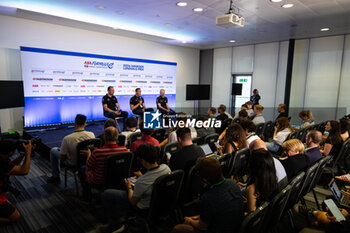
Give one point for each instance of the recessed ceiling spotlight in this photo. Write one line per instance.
(167, 24)
(115, 28)
(181, 3)
(324, 29)
(100, 7)
(184, 42)
(198, 9)
(276, 0)
(232, 41)
(288, 5)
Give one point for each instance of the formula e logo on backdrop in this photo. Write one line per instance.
(98, 64)
(152, 120)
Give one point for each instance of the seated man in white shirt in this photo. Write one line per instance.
(249, 110)
(68, 150)
(258, 118)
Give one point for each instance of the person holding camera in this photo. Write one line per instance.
(8, 167)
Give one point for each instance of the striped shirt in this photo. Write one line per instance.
(95, 165)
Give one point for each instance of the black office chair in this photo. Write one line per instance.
(240, 162)
(275, 210)
(134, 137)
(211, 139)
(253, 221)
(310, 175)
(81, 160)
(197, 141)
(269, 130)
(165, 198)
(192, 186)
(321, 165)
(117, 169)
(224, 125)
(283, 183)
(225, 162)
(260, 129)
(322, 126)
(337, 167)
(292, 135)
(171, 148)
(159, 134)
(296, 186)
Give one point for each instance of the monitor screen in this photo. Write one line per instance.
(197, 92)
(11, 94)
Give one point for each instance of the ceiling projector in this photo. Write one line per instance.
(230, 21)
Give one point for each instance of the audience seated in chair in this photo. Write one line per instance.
(282, 129)
(312, 152)
(68, 151)
(146, 138)
(221, 207)
(93, 172)
(172, 135)
(211, 112)
(108, 123)
(262, 181)
(260, 144)
(307, 118)
(249, 129)
(258, 117)
(131, 124)
(117, 203)
(294, 159)
(188, 153)
(243, 107)
(243, 115)
(250, 110)
(334, 140)
(344, 129)
(234, 139)
(222, 114)
(282, 108)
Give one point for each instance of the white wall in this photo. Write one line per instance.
(15, 32)
(267, 63)
(321, 78)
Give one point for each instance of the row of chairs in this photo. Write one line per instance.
(301, 133)
(268, 215)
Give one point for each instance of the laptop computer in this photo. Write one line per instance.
(206, 149)
(337, 193)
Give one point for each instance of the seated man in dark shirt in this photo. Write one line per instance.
(222, 113)
(189, 152)
(221, 207)
(295, 160)
(282, 108)
(162, 104)
(312, 152)
(111, 107)
(137, 104)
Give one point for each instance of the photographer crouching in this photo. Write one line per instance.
(8, 213)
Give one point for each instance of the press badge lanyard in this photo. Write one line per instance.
(218, 183)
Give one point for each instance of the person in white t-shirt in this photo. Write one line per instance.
(68, 151)
(249, 129)
(131, 124)
(250, 110)
(282, 130)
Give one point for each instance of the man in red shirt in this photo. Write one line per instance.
(146, 138)
(93, 172)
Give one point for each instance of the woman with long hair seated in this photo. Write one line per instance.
(295, 160)
(262, 181)
(307, 118)
(234, 139)
(334, 140)
(282, 129)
